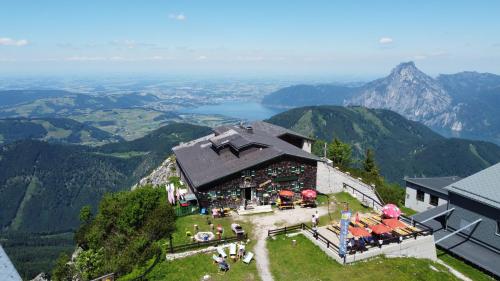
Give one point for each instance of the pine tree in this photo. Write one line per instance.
(369, 163)
(340, 153)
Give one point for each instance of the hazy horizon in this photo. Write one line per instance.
(343, 40)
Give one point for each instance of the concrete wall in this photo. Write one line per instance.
(421, 247)
(331, 180)
(420, 206)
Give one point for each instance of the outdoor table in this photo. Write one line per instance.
(368, 222)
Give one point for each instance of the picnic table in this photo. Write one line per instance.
(369, 222)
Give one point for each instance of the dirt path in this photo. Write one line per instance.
(262, 223)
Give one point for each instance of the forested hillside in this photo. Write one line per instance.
(58, 130)
(44, 185)
(402, 147)
(304, 95)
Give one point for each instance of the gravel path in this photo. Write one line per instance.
(262, 223)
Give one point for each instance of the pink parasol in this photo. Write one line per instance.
(391, 211)
(309, 193)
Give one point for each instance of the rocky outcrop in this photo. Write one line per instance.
(160, 175)
(41, 277)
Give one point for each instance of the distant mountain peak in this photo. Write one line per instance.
(406, 90)
(407, 71)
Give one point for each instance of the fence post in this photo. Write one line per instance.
(171, 245)
(285, 230)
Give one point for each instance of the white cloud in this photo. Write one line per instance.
(11, 42)
(179, 17)
(202, 57)
(385, 40)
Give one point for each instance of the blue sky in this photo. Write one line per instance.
(324, 38)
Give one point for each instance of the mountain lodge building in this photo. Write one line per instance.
(246, 163)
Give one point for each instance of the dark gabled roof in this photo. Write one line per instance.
(203, 160)
(435, 183)
(483, 186)
(7, 270)
(277, 131)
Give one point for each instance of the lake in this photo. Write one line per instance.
(247, 110)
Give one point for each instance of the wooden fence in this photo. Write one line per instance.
(294, 228)
(186, 247)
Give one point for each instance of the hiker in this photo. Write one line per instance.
(241, 251)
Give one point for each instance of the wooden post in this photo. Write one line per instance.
(171, 245)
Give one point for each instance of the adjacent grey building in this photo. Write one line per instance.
(468, 225)
(7, 270)
(423, 194)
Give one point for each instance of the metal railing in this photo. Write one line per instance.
(424, 230)
(373, 202)
(329, 244)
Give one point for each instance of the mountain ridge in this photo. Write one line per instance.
(402, 147)
(463, 105)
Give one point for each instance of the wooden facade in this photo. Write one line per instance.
(259, 184)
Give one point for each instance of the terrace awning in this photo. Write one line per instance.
(394, 223)
(359, 232)
(380, 228)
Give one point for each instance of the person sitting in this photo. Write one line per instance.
(362, 245)
(215, 213)
(224, 266)
(219, 259)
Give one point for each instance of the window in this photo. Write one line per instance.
(498, 228)
(434, 200)
(420, 195)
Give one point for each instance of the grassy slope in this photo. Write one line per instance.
(467, 270)
(195, 267)
(354, 206)
(307, 262)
